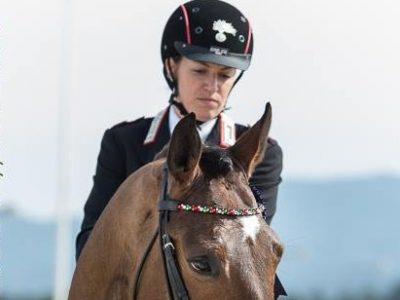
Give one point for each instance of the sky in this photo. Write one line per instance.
(330, 69)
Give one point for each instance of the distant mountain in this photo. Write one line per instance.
(338, 235)
(27, 255)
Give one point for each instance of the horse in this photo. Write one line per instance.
(219, 246)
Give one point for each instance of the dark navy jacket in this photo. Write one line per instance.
(123, 152)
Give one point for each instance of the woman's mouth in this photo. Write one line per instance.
(208, 101)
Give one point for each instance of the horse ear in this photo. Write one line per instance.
(184, 150)
(249, 149)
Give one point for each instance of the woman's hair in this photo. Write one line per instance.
(167, 71)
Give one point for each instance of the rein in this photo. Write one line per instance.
(176, 286)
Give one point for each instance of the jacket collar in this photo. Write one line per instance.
(203, 129)
(158, 136)
(221, 132)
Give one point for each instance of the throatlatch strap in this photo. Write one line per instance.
(178, 105)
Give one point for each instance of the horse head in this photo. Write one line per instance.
(221, 257)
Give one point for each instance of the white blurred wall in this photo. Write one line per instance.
(329, 68)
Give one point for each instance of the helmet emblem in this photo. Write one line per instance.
(223, 27)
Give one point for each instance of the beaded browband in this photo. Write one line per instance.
(218, 210)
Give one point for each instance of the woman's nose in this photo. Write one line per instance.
(213, 82)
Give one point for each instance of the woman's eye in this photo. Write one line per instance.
(199, 71)
(226, 76)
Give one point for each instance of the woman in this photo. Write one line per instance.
(206, 47)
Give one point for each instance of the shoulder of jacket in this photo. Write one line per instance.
(127, 123)
(124, 129)
(137, 126)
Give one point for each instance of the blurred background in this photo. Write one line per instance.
(331, 69)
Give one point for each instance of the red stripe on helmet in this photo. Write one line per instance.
(187, 26)
(248, 40)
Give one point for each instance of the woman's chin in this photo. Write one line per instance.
(206, 116)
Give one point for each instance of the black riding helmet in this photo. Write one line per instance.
(210, 31)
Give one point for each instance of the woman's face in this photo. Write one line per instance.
(203, 88)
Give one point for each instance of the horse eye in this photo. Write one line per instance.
(201, 265)
(205, 265)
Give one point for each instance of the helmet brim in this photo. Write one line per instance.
(233, 60)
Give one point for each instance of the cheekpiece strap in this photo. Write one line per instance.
(167, 204)
(176, 286)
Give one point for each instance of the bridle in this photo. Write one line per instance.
(176, 286)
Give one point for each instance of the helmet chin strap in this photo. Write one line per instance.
(178, 105)
(173, 85)
(237, 79)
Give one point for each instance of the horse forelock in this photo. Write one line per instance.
(220, 181)
(215, 162)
